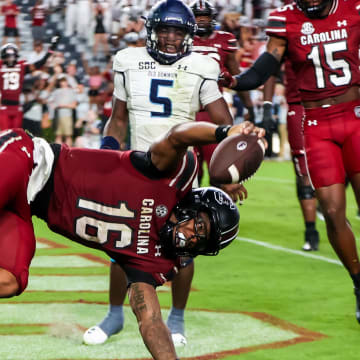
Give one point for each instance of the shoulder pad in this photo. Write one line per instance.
(126, 58)
(202, 65)
(276, 25)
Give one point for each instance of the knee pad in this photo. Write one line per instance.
(304, 192)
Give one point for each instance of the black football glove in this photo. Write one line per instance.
(54, 42)
(268, 122)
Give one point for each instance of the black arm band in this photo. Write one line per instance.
(221, 132)
(265, 66)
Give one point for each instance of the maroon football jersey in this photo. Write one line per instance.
(291, 84)
(101, 200)
(218, 45)
(11, 80)
(323, 52)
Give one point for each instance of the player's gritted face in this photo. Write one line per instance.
(203, 21)
(193, 234)
(170, 39)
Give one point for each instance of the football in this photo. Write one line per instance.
(236, 159)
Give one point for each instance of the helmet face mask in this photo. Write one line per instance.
(9, 54)
(220, 211)
(313, 9)
(166, 14)
(205, 15)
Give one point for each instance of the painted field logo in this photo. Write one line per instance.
(57, 328)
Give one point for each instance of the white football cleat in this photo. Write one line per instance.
(178, 339)
(94, 336)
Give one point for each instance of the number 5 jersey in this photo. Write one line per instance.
(161, 96)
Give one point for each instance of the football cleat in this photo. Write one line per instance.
(307, 247)
(357, 310)
(94, 336)
(311, 240)
(179, 339)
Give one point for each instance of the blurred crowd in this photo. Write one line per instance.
(79, 89)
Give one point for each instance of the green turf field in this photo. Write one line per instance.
(261, 298)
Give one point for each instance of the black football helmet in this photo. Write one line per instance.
(169, 13)
(312, 11)
(224, 223)
(9, 54)
(204, 8)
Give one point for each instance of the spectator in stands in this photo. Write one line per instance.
(100, 34)
(10, 11)
(71, 74)
(70, 17)
(38, 14)
(63, 99)
(37, 53)
(83, 20)
(91, 134)
(35, 105)
(131, 39)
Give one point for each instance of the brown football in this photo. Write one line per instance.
(236, 159)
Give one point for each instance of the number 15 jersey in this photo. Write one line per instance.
(161, 96)
(324, 51)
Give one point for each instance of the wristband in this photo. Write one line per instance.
(109, 142)
(221, 132)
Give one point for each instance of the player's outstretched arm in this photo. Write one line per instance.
(145, 305)
(167, 152)
(266, 65)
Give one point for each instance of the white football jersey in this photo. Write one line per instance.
(161, 96)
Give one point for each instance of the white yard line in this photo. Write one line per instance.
(291, 251)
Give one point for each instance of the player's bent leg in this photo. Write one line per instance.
(180, 289)
(9, 286)
(306, 196)
(113, 322)
(355, 183)
(342, 239)
(17, 248)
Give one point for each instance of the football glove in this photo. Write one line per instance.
(268, 122)
(226, 80)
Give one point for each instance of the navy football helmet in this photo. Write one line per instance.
(204, 8)
(169, 13)
(9, 54)
(224, 223)
(312, 11)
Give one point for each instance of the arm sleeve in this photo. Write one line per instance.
(265, 66)
(209, 92)
(119, 86)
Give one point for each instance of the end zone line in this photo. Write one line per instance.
(291, 251)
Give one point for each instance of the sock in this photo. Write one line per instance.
(310, 225)
(175, 321)
(356, 280)
(113, 321)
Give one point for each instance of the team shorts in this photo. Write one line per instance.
(332, 143)
(296, 138)
(17, 241)
(11, 116)
(11, 32)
